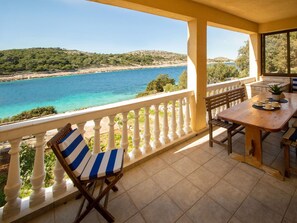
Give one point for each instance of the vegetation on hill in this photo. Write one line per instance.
(57, 59)
(33, 113)
(219, 60)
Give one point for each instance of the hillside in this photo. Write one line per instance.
(49, 60)
(219, 60)
(162, 55)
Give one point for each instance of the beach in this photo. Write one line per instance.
(27, 76)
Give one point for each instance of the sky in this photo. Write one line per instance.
(93, 27)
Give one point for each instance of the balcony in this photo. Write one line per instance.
(166, 123)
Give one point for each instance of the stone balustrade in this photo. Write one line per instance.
(139, 119)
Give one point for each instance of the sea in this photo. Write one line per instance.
(68, 93)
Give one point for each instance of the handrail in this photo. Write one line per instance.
(232, 83)
(56, 121)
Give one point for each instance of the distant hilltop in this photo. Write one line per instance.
(36, 60)
(177, 56)
(53, 60)
(219, 60)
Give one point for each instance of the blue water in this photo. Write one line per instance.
(73, 92)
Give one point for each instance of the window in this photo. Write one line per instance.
(279, 53)
(293, 52)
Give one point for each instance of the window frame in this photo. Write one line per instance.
(263, 55)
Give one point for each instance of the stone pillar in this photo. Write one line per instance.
(255, 55)
(197, 72)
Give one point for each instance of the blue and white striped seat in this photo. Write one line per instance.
(294, 84)
(84, 164)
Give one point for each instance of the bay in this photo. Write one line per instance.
(68, 93)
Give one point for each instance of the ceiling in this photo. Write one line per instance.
(259, 11)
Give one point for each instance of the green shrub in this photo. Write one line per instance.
(3, 179)
(33, 113)
(163, 83)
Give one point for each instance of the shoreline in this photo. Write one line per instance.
(29, 76)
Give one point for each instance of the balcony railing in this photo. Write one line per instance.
(143, 125)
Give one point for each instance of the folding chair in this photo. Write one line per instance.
(86, 169)
(289, 140)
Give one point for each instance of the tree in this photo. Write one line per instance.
(276, 53)
(182, 80)
(170, 88)
(162, 83)
(158, 84)
(219, 72)
(242, 61)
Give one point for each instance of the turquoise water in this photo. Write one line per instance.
(78, 91)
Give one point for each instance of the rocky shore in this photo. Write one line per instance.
(6, 78)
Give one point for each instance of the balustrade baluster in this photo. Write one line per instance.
(165, 128)
(81, 128)
(187, 117)
(97, 128)
(136, 138)
(124, 140)
(147, 135)
(59, 186)
(38, 176)
(110, 144)
(157, 142)
(13, 184)
(173, 134)
(180, 125)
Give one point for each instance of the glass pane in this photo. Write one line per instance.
(276, 53)
(293, 52)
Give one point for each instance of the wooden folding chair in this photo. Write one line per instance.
(289, 141)
(86, 169)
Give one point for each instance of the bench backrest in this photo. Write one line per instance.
(226, 98)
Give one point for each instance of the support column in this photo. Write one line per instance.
(197, 75)
(255, 55)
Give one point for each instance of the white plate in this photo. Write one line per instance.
(268, 108)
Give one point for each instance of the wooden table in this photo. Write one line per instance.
(255, 121)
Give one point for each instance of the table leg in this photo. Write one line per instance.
(253, 146)
(253, 152)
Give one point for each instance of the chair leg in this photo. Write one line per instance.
(287, 160)
(229, 145)
(210, 136)
(114, 188)
(96, 204)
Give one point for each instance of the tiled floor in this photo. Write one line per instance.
(196, 183)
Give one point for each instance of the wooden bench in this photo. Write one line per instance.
(227, 99)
